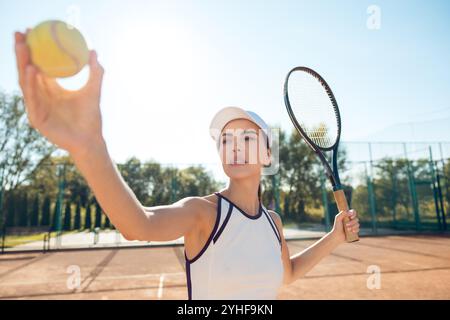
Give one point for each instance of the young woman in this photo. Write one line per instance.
(234, 246)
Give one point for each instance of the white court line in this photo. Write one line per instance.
(143, 276)
(124, 277)
(415, 264)
(161, 286)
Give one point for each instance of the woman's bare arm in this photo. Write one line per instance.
(118, 201)
(300, 264)
(72, 121)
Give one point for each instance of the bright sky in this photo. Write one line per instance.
(170, 65)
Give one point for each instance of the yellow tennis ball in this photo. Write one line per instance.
(57, 49)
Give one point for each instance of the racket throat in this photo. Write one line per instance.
(332, 174)
(337, 180)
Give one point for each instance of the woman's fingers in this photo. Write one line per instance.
(22, 56)
(353, 225)
(96, 73)
(29, 94)
(28, 80)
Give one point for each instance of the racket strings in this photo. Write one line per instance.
(320, 136)
(313, 105)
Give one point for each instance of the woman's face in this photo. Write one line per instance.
(243, 150)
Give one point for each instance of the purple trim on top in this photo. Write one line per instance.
(222, 227)
(242, 211)
(216, 225)
(189, 262)
(273, 225)
(188, 276)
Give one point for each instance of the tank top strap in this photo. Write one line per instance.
(272, 223)
(224, 210)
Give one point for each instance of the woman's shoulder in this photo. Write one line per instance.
(202, 204)
(276, 217)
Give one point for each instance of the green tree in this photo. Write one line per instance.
(46, 212)
(55, 216)
(98, 215)
(77, 222)
(23, 210)
(88, 218)
(196, 181)
(76, 186)
(132, 173)
(34, 217)
(107, 223)
(11, 202)
(22, 149)
(299, 174)
(67, 217)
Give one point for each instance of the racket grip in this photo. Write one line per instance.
(341, 202)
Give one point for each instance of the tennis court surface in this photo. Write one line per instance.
(412, 267)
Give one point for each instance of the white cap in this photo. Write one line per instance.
(227, 114)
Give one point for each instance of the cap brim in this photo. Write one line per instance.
(228, 114)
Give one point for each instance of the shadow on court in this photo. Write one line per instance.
(412, 267)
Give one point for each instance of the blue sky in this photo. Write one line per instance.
(170, 65)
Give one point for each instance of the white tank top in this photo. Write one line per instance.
(241, 259)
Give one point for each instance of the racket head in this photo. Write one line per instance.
(313, 109)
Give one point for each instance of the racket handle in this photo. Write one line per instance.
(342, 205)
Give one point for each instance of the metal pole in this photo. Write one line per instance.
(277, 193)
(394, 196)
(172, 188)
(371, 201)
(412, 189)
(441, 199)
(372, 198)
(445, 183)
(433, 185)
(61, 185)
(2, 220)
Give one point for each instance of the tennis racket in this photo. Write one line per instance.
(313, 109)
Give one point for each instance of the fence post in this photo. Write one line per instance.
(412, 189)
(173, 187)
(276, 192)
(371, 201)
(61, 184)
(394, 196)
(2, 221)
(435, 191)
(325, 202)
(441, 200)
(444, 204)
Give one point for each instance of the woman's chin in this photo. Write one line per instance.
(240, 170)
